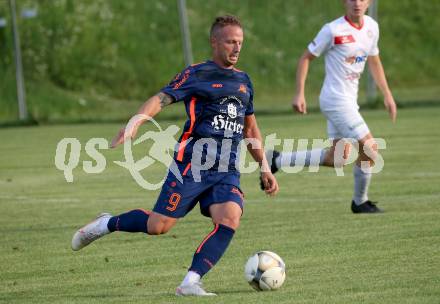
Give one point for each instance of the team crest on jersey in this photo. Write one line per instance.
(370, 34)
(344, 39)
(232, 110)
(231, 99)
(242, 89)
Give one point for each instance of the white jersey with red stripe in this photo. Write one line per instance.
(346, 48)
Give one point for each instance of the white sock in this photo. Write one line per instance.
(103, 225)
(361, 183)
(191, 278)
(307, 158)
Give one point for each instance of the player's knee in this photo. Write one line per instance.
(154, 230)
(371, 157)
(338, 155)
(158, 225)
(158, 229)
(231, 222)
(369, 152)
(335, 159)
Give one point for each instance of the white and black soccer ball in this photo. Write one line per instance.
(265, 270)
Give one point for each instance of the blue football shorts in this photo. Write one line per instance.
(176, 199)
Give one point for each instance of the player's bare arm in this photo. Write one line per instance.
(165, 99)
(377, 71)
(149, 109)
(252, 132)
(299, 101)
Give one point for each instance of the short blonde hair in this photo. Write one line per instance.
(222, 21)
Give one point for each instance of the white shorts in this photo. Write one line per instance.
(345, 123)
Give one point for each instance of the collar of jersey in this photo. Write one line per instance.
(354, 25)
(221, 68)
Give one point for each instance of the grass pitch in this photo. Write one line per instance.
(332, 256)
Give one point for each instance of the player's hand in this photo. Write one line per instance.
(270, 183)
(391, 107)
(299, 104)
(128, 132)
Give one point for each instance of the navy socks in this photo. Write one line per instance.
(132, 221)
(207, 254)
(211, 249)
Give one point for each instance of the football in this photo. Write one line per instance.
(265, 270)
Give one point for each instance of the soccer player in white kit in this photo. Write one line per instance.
(347, 44)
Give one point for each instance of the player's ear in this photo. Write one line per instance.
(213, 41)
(213, 37)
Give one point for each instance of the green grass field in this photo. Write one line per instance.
(332, 256)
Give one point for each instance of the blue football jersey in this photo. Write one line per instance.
(216, 102)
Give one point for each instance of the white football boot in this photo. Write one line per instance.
(91, 232)
(194, 289)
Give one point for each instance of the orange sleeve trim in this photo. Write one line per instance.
(198, 63)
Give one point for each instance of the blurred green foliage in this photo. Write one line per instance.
(80, 55)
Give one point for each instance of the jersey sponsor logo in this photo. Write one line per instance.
(344, 39)
(356, 59)
(242, 89)
(223, 122)
(217, 85)
(231, 109)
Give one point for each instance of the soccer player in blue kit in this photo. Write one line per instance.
(218, 100)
